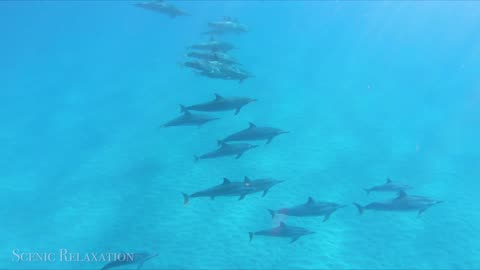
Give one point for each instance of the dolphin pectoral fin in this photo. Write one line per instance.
(327, 216)
(196, 158)
(269, 140)
(420, 212)
(250, 235)
(294, 239)
(264, 193)
(238, 110)
(359, 207)
(238, 156)
(272, 212)
(212, 198)
(140, 265)
(185, 198)
(242, 196)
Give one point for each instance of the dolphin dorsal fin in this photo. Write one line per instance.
(401, 194)
(310, 200)
(188, 113)
(388, 181)
(218, 97)
(282, 225)
(247, 181)
(226, 181)
(251, 125)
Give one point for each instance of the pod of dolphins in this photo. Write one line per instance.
(210, 59)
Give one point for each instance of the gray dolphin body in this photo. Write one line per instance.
(261, 185)
(388, 186)
(233, 149)
(190, 119)
(226, 26)
(283, 230)
(214, 56)
(162, 7)
(254, 133)
(309, 209)
(138, 258)
(220, 104)
(214, 46)
(402, 203)
(226, 189)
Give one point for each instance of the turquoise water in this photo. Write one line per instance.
(369, 90)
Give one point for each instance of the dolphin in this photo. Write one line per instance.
(220, 104)
(309, 209)
(254, 133)
(138, 258)
(213, 45)
(283, 230)
(388, 186)
(227, 25)
(402, 203)
(233, 149)
(259, 185)
(162, 7)
(190, 119)
(214, 56)
(225, 189)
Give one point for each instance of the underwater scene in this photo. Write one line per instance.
(240, 134)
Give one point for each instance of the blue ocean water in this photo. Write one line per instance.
(368, 90)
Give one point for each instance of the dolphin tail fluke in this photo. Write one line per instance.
(250, 234)
(359, 207)
(186, 198)
(272, 212)
(367, 191)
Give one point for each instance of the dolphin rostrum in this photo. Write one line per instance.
(388, 186)
(309, 209)
(189, 119)
(402, 203)
(226, 189)
(138, 258)
(254, 133)
(220, 104)
(232, 149)
(283, 230)
(162, 7)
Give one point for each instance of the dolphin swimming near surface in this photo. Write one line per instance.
(388, 186)
(402, 203)
(162, 7)
(220, 104)
(232, 149)
(254, 133)
(309, 209)
(226, 189)
(283, 230)
(190, 119)
(138, 258)
(261, 185)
